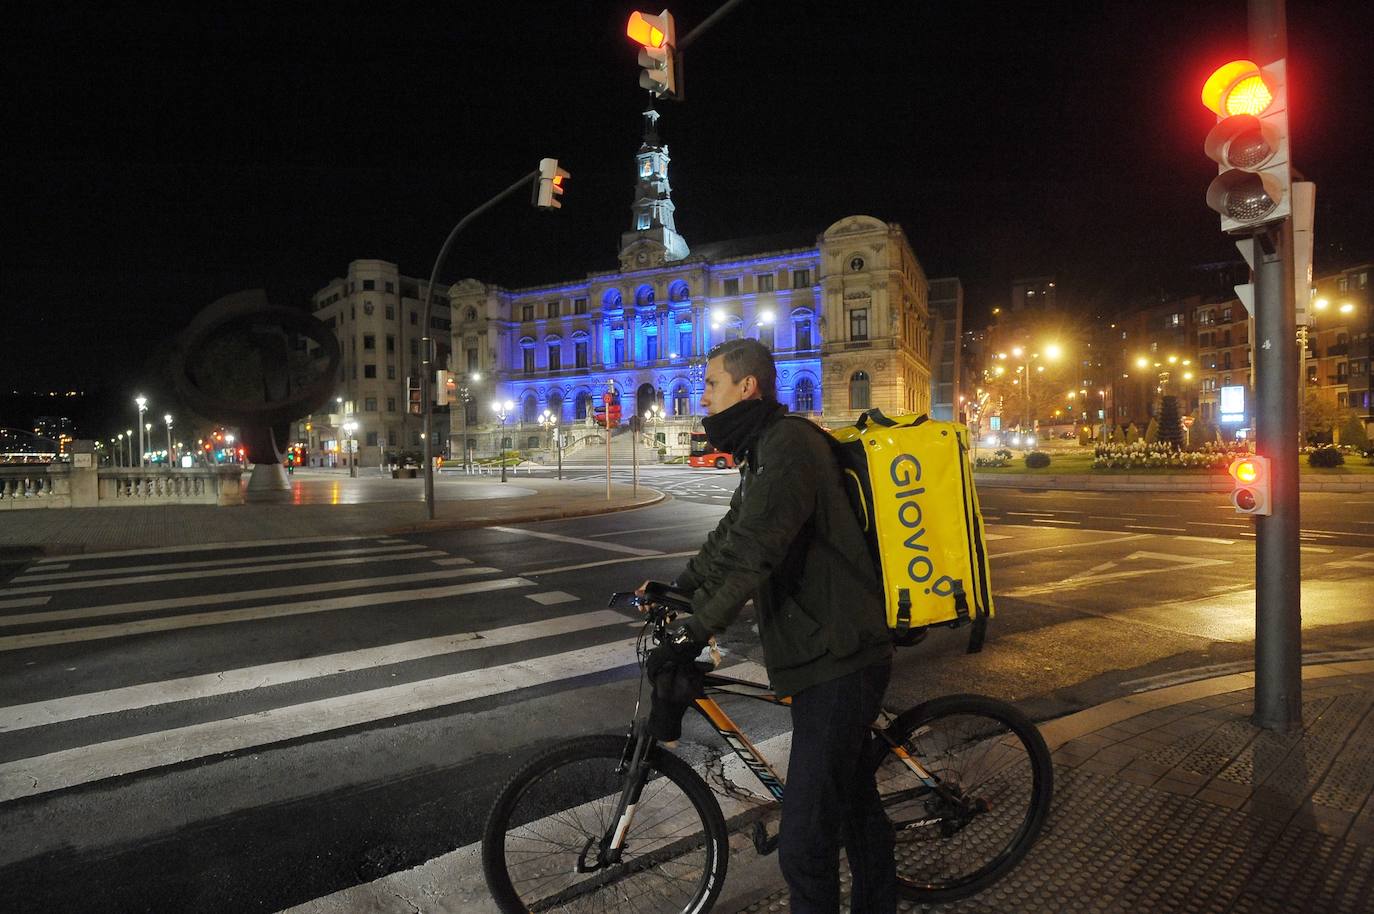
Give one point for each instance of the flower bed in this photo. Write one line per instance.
(1140, 455)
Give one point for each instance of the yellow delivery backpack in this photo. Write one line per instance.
(910, 482)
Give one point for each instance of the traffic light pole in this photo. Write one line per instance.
(1278, 592)
(427, 342)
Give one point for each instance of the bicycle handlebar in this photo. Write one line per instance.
(659, 603)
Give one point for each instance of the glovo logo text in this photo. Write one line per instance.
(905, 471)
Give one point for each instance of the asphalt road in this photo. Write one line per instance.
(247, 728)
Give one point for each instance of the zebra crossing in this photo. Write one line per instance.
(121, 670)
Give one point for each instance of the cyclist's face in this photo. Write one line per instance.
(723, 391)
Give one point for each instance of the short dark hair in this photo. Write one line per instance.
(749, 357)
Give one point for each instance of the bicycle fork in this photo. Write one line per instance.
(634, 765)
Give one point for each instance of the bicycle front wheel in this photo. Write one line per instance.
(542, 839)
(995, 783)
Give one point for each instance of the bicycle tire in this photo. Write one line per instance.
(686, 824)
(947, 852)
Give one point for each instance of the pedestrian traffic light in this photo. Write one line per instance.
(657, 39)
(1249, 144)
(549, 188)
(1251, 492)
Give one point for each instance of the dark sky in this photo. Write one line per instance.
(159, 155)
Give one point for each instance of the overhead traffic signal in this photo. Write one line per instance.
(1251, 492)
(1249, 144)
(548, 190)
(657, 39)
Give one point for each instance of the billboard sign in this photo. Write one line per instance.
(1233, 404)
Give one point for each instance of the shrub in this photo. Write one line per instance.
(1352, 432)
(1036, 460)
(1132, 433)
(1170, 429)
(1085, 435)
(993, 461)
(1002, 454)
(1152, 431)
(1325, 457)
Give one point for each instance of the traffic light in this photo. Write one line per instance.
(1249, 144)
(1251, 492)
(549, 188)
(657, 39)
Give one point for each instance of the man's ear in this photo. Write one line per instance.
(749, 386)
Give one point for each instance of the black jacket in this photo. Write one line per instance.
(790, 540)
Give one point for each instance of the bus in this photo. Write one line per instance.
(704, 455)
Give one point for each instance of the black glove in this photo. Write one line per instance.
(676, 680)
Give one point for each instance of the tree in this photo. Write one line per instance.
(1132, 433)
(1319, 417)
(1152, 431)
(1352, 432)
(1170, 428)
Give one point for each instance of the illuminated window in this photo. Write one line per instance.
(804, 334)
(646, 168)
(643, 221)
(805, 398)
(651, 347)
(580, 353)
(858, 324)
(555, 357)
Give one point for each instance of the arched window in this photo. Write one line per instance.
(766, 333)
(682, 405)
(803, 334)
(805, 396)
(582, 405)
(505, 443)
(858, 390)
(529, 408)
(556, 405)
(472, 314)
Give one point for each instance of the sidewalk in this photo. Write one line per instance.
(1172, 801)
(320, 504)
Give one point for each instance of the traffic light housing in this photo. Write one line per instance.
(548, 190)
(1251, 492)
(1249, 144)
(657, 39)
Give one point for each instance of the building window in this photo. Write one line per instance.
(391, 407)
(414, 319)
(505, 443)
(1226, 315)
(765, 282)
(858, 390)
(553, 309)
(1342, 400)
(582, 405)
(730, 287)
(681, 403)
(390, 311)
(801, 279)
(1226, 359)
(390, 287)
(805, 398)
(527, 313)
(414, 349)
(1175, 320)
(370, 405)
(1341, 369)
(529, 360)
(618, 351)
(1311, 374)
(858, 324)
(555, 357)
(579, 306)
(1343, 284)
(369, 285)
(371, 439)
(369, 341)
(391, 372)
(471, 356)
(643, 222)
(766, 335)
(804, 334)
(651, 348)
(646, 168)
(684, 343)
(390, 343)
(580, 353)
(369, 371)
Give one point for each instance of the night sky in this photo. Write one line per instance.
(157, 156)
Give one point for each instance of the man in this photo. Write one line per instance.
(791, 542)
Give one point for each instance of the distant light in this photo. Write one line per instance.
(1053, 351)
(1347, 308)
(766, 317)
(1320, 304)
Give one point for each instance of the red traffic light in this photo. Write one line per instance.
(644, 31)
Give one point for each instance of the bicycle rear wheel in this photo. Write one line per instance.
(550, 818)
(997, 781)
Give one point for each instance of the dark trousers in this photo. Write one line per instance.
(830, 799)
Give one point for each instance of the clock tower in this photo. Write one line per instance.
(652, 241)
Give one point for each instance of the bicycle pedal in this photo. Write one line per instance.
(764, 844)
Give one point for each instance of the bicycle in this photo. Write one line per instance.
(619, 823)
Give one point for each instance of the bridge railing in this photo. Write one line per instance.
(61, 485)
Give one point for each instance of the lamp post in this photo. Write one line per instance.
(233, 454)
(502, 410)
(465, 396)
(118, 442)
(129, 439)
(142, 402)
(146, 442)
(550, 421)
(349, 428)
(168, 419)
(1051, 353)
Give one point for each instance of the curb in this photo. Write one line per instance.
(431, 526)
(1148, 483)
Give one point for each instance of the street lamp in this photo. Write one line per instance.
(465, 395)
(1052, 353)
(168, 419)
(142, 402)
(130, 439)
(548, 420)
(349, 428)
(118, 442)
(149, 442)
(502, 410)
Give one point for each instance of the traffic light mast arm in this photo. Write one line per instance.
(426, 342)
(710, 20)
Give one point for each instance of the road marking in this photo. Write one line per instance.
(216, 563)
(1339, 533)
(209, 547)
(453, 561)
(561, 568)
(36, 567)
(1030, 513)
(211, 599)
(1101, 573)
(558, 538)
(989, 537)
(1315, 549)
(1051, 520)
(23, 601)
(1208, 539)
(549, 598)
(250, 614)
(111, 701)
(82, 765)
(1351, 563)
(1161, 529)
(639, 530)
(1093, 542)
(220, 572)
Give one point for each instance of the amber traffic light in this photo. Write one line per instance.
(1249, 144)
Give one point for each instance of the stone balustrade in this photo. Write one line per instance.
(61, 485)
